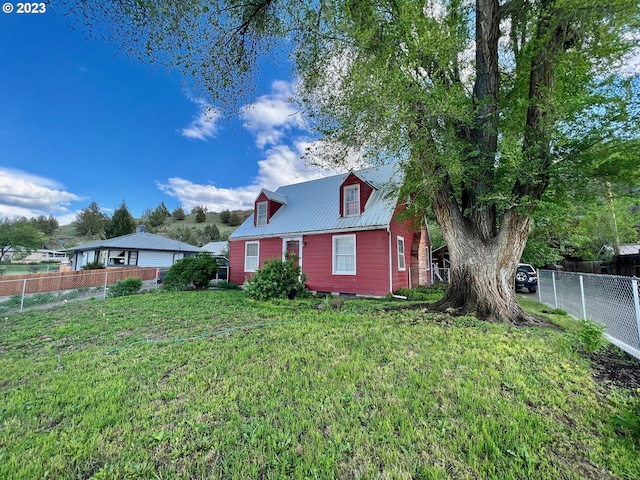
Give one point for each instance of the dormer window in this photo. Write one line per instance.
(351, 200)
(266, 206)
(262, 213)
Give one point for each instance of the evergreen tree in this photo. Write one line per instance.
(121, 223)
(225, 215)
(91, 221)
(234, 219)
(178, 214)
(201, 217)
(211, 233)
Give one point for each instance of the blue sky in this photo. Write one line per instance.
(80, 122)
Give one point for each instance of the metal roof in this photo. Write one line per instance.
(314, 206)
(137, 241)
(216, 248)
(274, 196)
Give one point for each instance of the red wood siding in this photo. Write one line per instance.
(372, 260)
(365, 191)
(404, 230)
(372, 265)
(269, 248)
(272, 208)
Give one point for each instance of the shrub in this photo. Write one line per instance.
(591, 335)
(629, 418)
(128, 286)
(276, 279)
(423, 294)
(197, 270)
(96, 265)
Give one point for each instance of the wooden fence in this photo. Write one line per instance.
(60, 281)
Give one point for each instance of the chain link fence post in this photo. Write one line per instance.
(104, 289)
(555, 292)
(24, 292)
(636, 301)
(584, 305)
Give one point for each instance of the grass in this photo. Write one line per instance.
(211, 385)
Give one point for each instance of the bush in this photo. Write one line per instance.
(197, 270)
(423, 294)
(97, 265)
(629, 418)
(128, 286)
(276, 279)
(591, 335)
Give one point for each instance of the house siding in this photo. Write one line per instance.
(372, 262)
(404, 230)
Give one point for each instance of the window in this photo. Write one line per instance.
(117, 258)
(401, 261)
(251, 251)
(344, 255)
(133, 258)
(262, 214)
(351, 200)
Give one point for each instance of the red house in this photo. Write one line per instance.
(344, 229)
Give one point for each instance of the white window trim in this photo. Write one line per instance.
(356, 188)
(284, 248)
(402, 262)
(257, 257)
(260, 217)
(333, 255)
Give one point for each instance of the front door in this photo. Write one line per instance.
(292, 245)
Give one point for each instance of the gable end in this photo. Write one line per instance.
(365, 190)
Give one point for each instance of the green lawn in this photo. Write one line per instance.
(210, 385)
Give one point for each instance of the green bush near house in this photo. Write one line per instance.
(128, 286)
(276, 279)
(97, 265)
(197, 270)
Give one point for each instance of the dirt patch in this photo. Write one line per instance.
(614, 368)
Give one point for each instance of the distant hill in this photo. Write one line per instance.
(171, 229)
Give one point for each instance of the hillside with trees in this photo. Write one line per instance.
(197, 227)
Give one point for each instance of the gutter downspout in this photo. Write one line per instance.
(429, 252)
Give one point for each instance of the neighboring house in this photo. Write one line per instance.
(36, 256)
(345, 231)
(220, 251)
(139, 249)
(627, 261)
(217, 249)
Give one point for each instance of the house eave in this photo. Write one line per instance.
(311, 232)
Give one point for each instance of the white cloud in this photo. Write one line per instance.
(204, 125)
(23, 194)
(272, 116)
(280, 130)
(215, 198)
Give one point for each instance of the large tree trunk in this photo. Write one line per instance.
(482, 270)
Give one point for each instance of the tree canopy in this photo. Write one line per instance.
(19, 236)
(491, 106)
(121, 222)
(91, 221)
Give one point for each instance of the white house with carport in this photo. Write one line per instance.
(139, 249)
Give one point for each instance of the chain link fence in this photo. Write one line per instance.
(47, 290)
(608, 299)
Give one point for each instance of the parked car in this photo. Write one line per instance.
(526, 277)
(160, 274)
